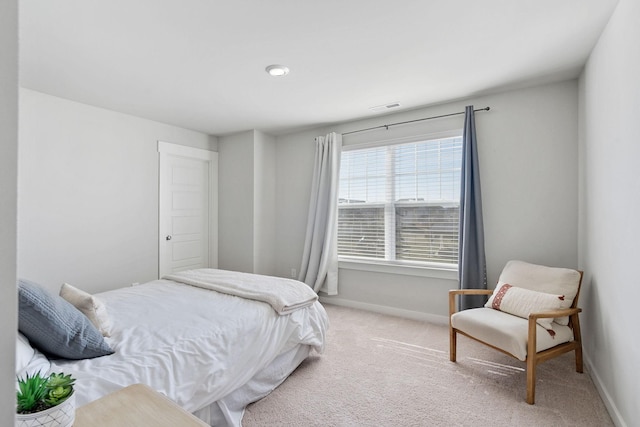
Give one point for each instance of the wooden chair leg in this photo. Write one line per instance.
(577, 337)
(532, 361)
(452, 344)
(531, 380)
(579, 367)
(452, 332)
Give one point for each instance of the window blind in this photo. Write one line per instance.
(361, 232)
(401, 202)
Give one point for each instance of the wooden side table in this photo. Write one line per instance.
(135, 406)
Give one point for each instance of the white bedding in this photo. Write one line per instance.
(195, 345)
(284, 295)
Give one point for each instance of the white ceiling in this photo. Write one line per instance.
(200, 64)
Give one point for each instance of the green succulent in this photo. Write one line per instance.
(59, 387)
(32, 391)
(37, 392)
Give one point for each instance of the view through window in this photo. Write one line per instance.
(400, 203)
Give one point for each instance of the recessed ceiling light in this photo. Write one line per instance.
(277, 70)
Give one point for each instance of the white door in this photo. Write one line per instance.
(188, 208)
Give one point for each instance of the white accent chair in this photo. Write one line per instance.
(519, 334)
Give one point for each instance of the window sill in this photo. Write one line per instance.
(408, 270)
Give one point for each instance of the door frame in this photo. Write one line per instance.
(166, 149)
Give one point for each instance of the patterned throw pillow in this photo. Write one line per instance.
(521, 302)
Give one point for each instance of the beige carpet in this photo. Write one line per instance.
(380, 370)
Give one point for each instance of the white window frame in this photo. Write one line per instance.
(424, 269)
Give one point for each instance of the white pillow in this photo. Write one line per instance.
(24, 353)
(90, 306)
(29, 360)
(521, 302)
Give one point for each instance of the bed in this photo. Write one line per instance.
(191, 337)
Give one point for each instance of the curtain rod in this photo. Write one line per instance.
(412, 121)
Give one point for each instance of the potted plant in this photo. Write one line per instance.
(45, 401)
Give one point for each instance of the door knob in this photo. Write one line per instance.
(168, 237)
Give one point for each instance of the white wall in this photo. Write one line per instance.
(529, 171)
(8, 205)
(264, 204)
(88, 193)
(235, 197)
(247, 202)
(609, 212)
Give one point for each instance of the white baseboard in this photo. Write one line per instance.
(392, 311)
(615, 415)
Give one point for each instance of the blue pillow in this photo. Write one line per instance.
(55, 326)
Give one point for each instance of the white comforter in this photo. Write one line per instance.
(284, 295)
(192, 344)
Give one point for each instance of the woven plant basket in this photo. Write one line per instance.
(62, 415)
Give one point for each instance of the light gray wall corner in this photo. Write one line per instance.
(8, 206)
(88, 206)
(247, 202)
(295, 157)
(236, 201)
(264, 204)
(212, 143)
(609, 208)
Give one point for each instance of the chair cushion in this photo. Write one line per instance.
(521, 302)
(506, 331)
(551, 280)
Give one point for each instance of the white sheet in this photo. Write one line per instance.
(284, 295)
(194, 345)
(230, 409)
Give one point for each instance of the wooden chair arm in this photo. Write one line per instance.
(531, 333)
(470, 292)
(555, 313)
(454, 292)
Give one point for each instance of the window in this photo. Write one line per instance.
(400, 203)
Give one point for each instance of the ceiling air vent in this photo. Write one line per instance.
(386, 107)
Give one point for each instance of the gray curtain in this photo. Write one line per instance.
(320, 258)
(472, 266)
